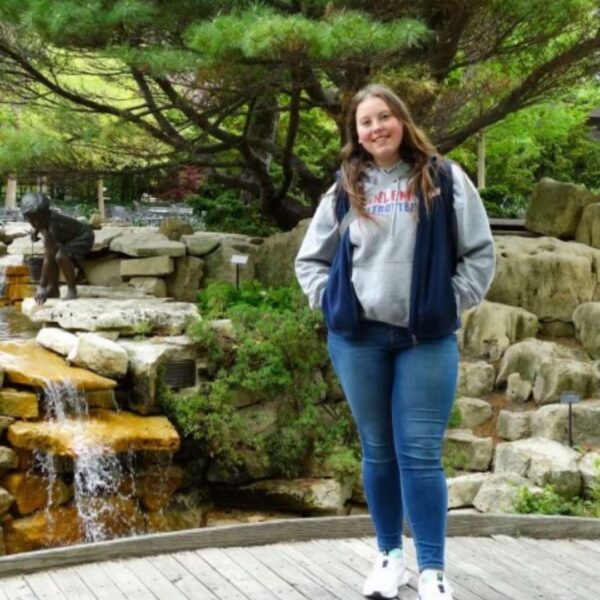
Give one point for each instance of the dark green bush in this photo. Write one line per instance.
(499, 202)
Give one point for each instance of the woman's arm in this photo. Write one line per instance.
(475, 245)
(317, 250)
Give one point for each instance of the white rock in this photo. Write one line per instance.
(462, 489)
(490, 328)
(475, 379)
(473, 411)
(513, 425)
(541, 461)
(150, 285)
(100, 355)
(147, 267)
(552, 422)
(526, 357)
(517, 389)
(559, 375)
(589, 466)
(56, 339)
(499, 492)
(146, 245)
(129, 317)
(477, 451)
(586, 318)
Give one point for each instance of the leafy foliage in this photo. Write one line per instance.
(278, 349)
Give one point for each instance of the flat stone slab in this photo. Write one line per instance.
(121, 292)
(147, 244)
(27, 363)
(128, 317)
(102, 431)
(103, 237)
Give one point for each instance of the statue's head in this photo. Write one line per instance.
(34, 203)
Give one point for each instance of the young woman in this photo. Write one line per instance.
(421, 253)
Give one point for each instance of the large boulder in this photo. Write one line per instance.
(473, 411)
(27, 363)
(147, 267)
(513, 425)
(552, 422)
(185, 511)
(518, 390)
(174, 229)
(475, 379)
(19, 403)
(468, 451)
(543, 462)
(146, 244)
(555, 208)
(155, 286)
(201, 243)
(588, 230)
(499, 492)
(128, 317)
(56, 339)
(275, 259)
(105, 271)
(586, 318)
(184, 282)
(526, 357)
(559, 375)
(545, 276)
(218, 265)
(490, 328)
(33, 492)
(145, 358)
(98, 354)
(589, 466)
(462, 489)
(102, 431)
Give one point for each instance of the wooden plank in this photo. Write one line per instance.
(16, 588)
(269, 532)
(44, 587)
(71, 584)
(212, 579)
(96, 579)
(560, 577)
(153, 579)
(318, 570)
(576, 556)
(131, 587)
(487, 570)
(237, 575)
(181, 578)
(270, 578)
(292, 572)
(588, 544)
(557, 554)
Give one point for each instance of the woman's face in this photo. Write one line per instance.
(379, 131)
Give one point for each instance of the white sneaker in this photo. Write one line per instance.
(387, 575)
(433, 585)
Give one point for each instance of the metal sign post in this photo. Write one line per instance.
(570, 398)
(238, 260)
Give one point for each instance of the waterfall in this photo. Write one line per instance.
(98, 472)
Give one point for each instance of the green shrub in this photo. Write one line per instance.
(279, 347)
(224, 211)
(500, 203)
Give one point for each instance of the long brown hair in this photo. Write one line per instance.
(415, 149)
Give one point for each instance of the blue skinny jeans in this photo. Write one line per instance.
(401, 396)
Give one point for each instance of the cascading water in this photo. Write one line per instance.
(98, 473)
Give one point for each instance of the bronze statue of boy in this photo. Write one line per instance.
(66, 242)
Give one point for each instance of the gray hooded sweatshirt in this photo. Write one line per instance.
(383, 247)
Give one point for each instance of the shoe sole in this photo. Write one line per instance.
(380, 596)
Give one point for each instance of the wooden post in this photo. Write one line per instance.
(10, 201)
(100, 194)
(481, 159)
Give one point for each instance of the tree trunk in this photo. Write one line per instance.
(481, 159)
(10, 201)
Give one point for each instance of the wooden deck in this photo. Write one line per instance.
(494, 568)
(489, 557)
